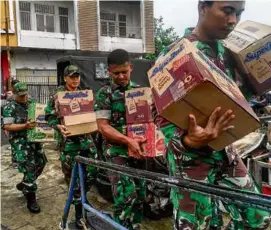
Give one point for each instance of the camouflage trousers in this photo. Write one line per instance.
(31, 162)
(90, 172)
(13, 154)
(196, 211)
(128, 193)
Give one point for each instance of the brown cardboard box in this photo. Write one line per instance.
(74, 102)
(42, 132)
(155, 145)
(80, 123)
(186, 82)
(138, 104)
(250, 43)
(36, 112)
(269, 131)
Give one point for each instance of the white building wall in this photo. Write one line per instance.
(108, 44)
(49, 40)
(45, 40)
(132, 13)
(35, 60)
(133, 23)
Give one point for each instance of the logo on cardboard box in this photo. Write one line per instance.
(162, 81)
(72, 95)
(168, 60)
(137, 129)
(256, 55)
(139, 93)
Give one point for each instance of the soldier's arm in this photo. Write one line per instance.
(50, 114)
(18, 127)
(174, 136)
(110, 133)
(9, 119)
(103, 116)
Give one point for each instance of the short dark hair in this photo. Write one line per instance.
(208, 3)
(118, 57)
(14, 81)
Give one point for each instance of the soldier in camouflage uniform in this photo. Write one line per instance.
(70, 147)
(10, 97)
(128, 193)
(30, 156)
(187, 153)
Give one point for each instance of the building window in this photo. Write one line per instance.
(64, 20)
(108, 24)
(45, 17)
(25, 14)
(122, 26)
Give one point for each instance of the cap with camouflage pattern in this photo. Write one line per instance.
(70, 70)
(20, 88)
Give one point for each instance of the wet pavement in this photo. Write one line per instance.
(51, 196)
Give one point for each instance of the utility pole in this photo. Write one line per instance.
(7, 22)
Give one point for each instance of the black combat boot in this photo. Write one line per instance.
(20, 186)
(78, 216)
(32, 204)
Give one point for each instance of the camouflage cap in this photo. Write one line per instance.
(70, 70)
(20, 88)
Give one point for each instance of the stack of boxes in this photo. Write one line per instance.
(75, 109)
(250, 44)
(140, 123)
(186, 82)
(42, 132)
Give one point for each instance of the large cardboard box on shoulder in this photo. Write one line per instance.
(138, 103)
(186, 82)
(250, 44)
(42, 132)
(155, 145)
(75, 109)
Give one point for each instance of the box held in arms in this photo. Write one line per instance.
(250, 44)
(75, 109)
(69, 103)
(42, 132)
(80, 124)
(154, 145)
(138, 104)
(185, 82)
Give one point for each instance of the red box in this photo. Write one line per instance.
(266, 189)
(70, 103)
(138, 104)
(155, 145)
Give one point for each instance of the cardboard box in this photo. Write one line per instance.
(138, 104)
(155, 145)
(186, 82)
(74, 102)
(269, 131)
(43, 132)
(80, 124)
(250, 43)
(36, 112)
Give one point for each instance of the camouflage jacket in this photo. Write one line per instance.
(69, 144)
(16, 113)
(110, 104)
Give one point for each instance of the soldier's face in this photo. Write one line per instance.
(73, 81)
(21, 98)
(220, 19)
(121, 74)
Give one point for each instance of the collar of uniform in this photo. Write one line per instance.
(131, 85)
(204, 45)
